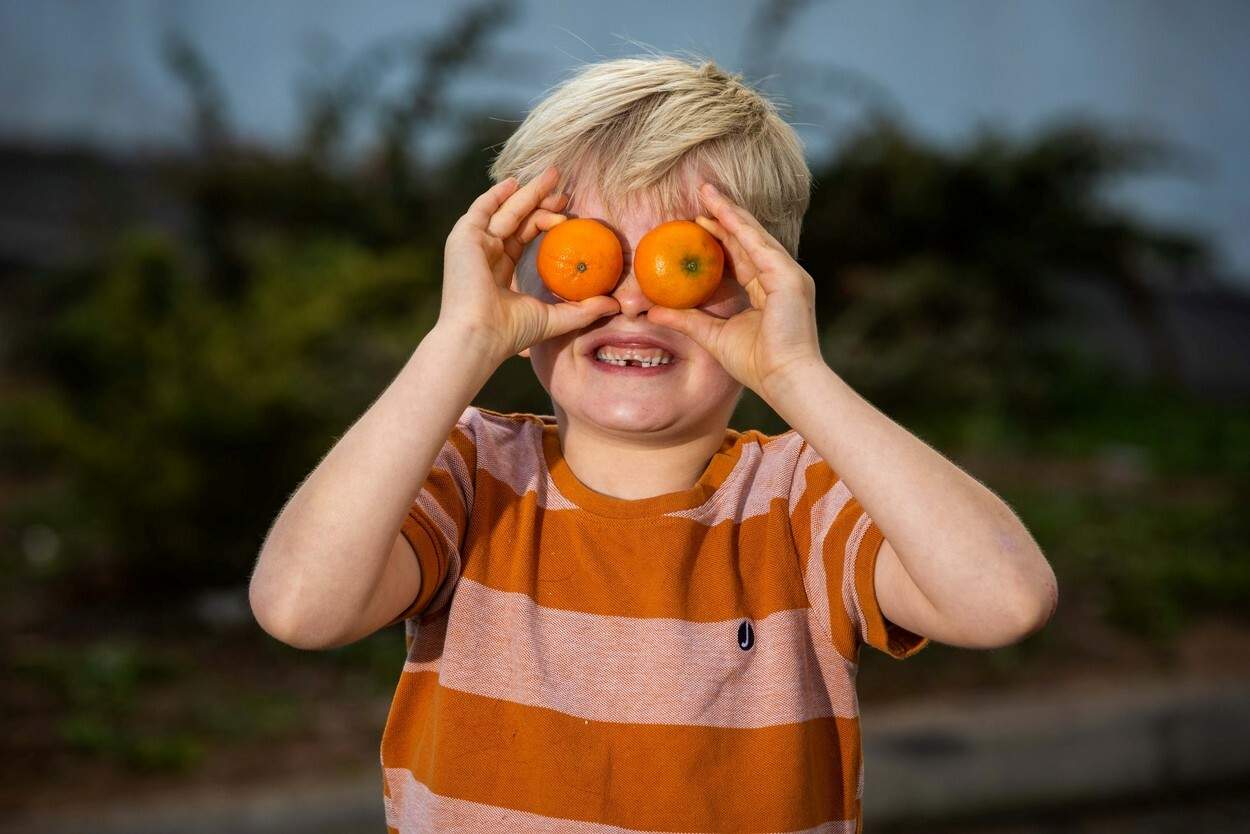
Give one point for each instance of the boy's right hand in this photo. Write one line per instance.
(482, 252)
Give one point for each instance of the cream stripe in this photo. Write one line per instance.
(412, 808)
(815, 580)
(446, 524)
(762, 474)
(836, 671)
(513, 453)
(850, 596)
(634, 669)
(806, 457)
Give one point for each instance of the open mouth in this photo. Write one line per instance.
(630, 360)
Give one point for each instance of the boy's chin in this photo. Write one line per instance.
(636, 417)
(636, 421)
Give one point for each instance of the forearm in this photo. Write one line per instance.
(328, 547)
(962, 545)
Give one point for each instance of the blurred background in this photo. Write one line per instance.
(221, 229)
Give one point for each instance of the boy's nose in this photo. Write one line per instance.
(630, 296)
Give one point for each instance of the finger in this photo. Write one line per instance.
(768, 256)
(744, 266)
(572, 315)
(538, 221)
(713, 196)
(489, 201)
(555, 202)
(704, 329)
(508, 217)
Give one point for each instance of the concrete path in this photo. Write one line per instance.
(925, 763)
(968, 758)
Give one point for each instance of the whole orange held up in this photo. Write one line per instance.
(580, 258)
(678, 264)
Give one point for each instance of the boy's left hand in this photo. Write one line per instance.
(778, 334)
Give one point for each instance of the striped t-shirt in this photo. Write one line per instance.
(680, 663)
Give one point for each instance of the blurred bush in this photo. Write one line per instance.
(163, 399)
(163, 421)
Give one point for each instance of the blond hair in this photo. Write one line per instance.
(635, 126)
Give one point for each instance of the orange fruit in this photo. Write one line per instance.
(679, 264)
(580, 258)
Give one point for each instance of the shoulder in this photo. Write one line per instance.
(769, 460)
(506, 444)
(490, 425)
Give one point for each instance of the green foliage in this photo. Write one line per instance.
(936, 266)
(106, 697)
(164, 399)
(107, 673)
(179, 421)
(97, 690)
(246, 716)
(1153, 561)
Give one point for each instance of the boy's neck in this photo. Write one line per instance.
(643, 468)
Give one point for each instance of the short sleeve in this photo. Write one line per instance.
(837, 544)
(439, 516)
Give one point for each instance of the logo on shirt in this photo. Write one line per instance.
(746, 635)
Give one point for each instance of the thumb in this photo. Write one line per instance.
(696, 324)
(571, 315)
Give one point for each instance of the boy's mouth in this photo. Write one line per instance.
(633, 367)
(634, 358)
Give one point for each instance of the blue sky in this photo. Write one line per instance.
(93, 70)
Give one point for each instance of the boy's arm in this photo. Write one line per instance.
(333, 568)
(957, 565)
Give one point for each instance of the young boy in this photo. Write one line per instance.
(626, 615)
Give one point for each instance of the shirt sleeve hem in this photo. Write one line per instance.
(888, 637)
(429, 557)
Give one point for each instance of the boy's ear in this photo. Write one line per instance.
(515, 288)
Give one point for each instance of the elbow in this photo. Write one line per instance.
(1039, 605)
(285, 629)
(269, 614)
(275, 612)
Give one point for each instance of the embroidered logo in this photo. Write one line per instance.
(746, 635)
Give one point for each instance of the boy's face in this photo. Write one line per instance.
(692, 395)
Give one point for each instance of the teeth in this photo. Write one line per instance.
(623, 356)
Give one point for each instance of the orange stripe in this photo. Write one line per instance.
(642, 776)
(664, 567)
(464, 445)
(422, 531)
(846, 636)
(818, 479)
(426, 544)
